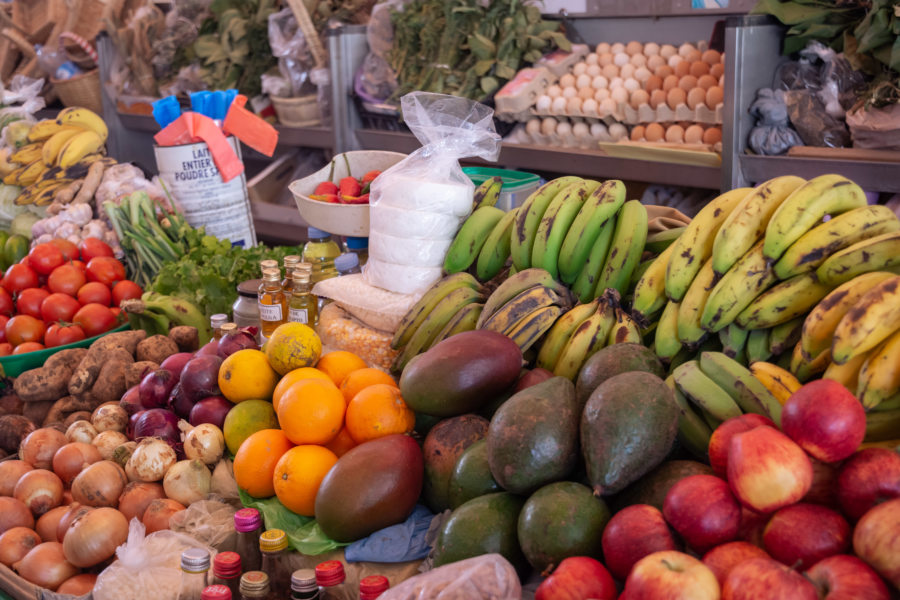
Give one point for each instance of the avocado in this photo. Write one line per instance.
(613, 360)
(652, 488)
(533, 437)
(628, 427)
(471, 476)
(424, 423)
(483, 525)
(560, 520)
(444, 444)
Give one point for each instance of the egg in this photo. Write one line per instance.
(667, 50)
(713, 135)
(685, 49)
(564, 129)
(638, 60)
(696, 97)
(639, 97)
(599, 132)
(626, 71)
(548, 126)
(683, 68)
(601, 95)
(693, 134)
(559, 105)
(569, 92)
(610, 71)
(579, 69)
(616, 82)
(675, 97)
(670, 82)
(554, 91)
(674, 60)
(687, 83)
(593, 70)
(587, 92)
(664, 71)
(693, 56)
(619, 95)
(589, 107)
(602, 47)
(714, 97)
(717, 70)
(581, 130)
(607, 107)
(617, 48)
(699, 69)
(620, 59)
(642, 74)
(657, 97)
(651, 49)
(573, 106)
(567, 80)
(654, 82)
(637, 134)
(617, 131)
(654, 132)
(583, 81)
(711, 57)
(533, 126)
(633, 48)
(722, 82)
(655, 62)
(591, 59)
(599, 82)
(706, 81)
(543, 103)
(631, 84)
(674, 134)
(604, 59)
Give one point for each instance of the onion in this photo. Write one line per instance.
(131, 400)
(78, 585)
(180, 403)
(132, 421)
(48, 524)
(108, 441)
(39, 490)
(71, 458)
(213, 410)
(232, 342)
(158, 423)
(39, 447)
(16, 543)
(109, 417)
(137, 496)
(156, 517)
(94, 537)
(80, 415)
(205, 442)
(123, 453)
(81, 431)
(75, 510)
(200, 377)
(209, 348)
(14, 513)
(150, 460)
(10, 472)
(187, 481)
(156, 387)
(46, 566)
(67, 497)
(175, 363)
(100, 484)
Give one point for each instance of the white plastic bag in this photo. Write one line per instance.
(486, 577)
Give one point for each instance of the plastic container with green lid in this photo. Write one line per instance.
(517, 185)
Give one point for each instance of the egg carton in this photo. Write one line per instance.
(522, 91)
(624, 113)
(560, 62)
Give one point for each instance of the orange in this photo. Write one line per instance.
(298, 475)
(255, 461)
(339, 364)
(342, 442)
(291, 346)
(292, 378)
(377, 411)
(246, 375)
(357, 380)
(311, 412)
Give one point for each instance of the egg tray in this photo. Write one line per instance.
(643, 114)
(590, 143)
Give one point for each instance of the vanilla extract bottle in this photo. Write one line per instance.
(272, 302)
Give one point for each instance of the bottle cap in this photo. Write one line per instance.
(373, 584)
(195, 560)
(218, 319)
(227, 328)
(271, 274)
(304, 580)
(330, 572)
(254, 581)
(215, 592)
(316, 234)
(273, 540)
(346, 261)
(304, 266)
(249, 289)
(268, 264)
(291, 259)
(247, 519)
(357, 243)
(300, 276)
(227, 565)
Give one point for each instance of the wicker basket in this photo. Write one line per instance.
(297, 112)
(81, 90)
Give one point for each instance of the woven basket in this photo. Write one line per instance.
(81, 90)
(297, 112)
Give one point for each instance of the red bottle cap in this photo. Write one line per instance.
(330, 572)
(227, 565)
(215, 592)
(373, 585)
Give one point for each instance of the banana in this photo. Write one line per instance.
(413, 319)
(44, 130)
(180, 312)
(464, 320)
(78, 146)
(13, 176)
(495, 250)
(660, 240)
(804, 369)
(693, 432)
(704, 392)
(559, 334)
(750, 276)
(31, 173)
(758, 345)
(820, 323)
(555, 223)
(521, 305)
(781, 383)
(666, 342)
(627, 248)
(691, 309)
(869, 322)
(515, 285)
(487, 193)
(588, 338)
(586, 283)
(52, 148)
(806, 207)
(529, 217)
(140, 318)
(6, 167)
(747, 222)
(602, 203)
(892, 403)
(625, 330)
(749, 393)
(734, 340)
(650, 289)
(879, 378)
(470, 238)
(882, 425)
(783, 302)
(847, 374)
(532, 326)
(815, 246)
(84, 118)
(695, 246)
(784, 336)
(880, 253)
(40, 195)
(27, 154)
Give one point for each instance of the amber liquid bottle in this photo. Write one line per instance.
(272, 302)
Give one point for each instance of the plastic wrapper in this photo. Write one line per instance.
(773, 134)
(375, 80)
(398, 543)
(210, 522)
(375, 307)
(403, 279)
(426, 226)
(340, 331)
(406, 251)
(290, 48)
(25, 93)
(486, 577)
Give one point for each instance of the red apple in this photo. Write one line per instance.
(868, 477)
(876, 539)
(722, 559)
(703, 510)
(824, 484)
(671, 575)
(532, 377)
(752, 526)
(721, 438)
(845, 577)
(805, 534)
(764, 578)
(633, 533)
(825, 419)
(578, 578)
(766, 470)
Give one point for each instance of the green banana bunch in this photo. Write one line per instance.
(157, 313)
(487, 193)
(693, 432)
(627, 248)
(704, 392)
(555, 223)
(495, 250)
(586, 282)
(602, 204)
(470, 238)
(530, 214)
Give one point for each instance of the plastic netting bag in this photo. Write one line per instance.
(208, 521)
(290, 47)
(486, 577)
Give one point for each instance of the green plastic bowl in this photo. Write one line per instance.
(16, 364)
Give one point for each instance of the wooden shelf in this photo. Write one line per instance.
(871, 176)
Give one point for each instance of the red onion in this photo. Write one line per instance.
(200, 377)
(175, 363)
(156, 387)
(180, 403)
(209, 348)
(158, 422)
(131, 400)
(232, 342)
(132, 421)
(211, 410)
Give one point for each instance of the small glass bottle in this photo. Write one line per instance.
(358, 246)
(272, 302)
(373, 586)
(254, 586)
(227, 571)
(273, 544)
(331, 579)
(267, 264)
(194, 573)
(227, 328)
(304, 586)
(248, 525)
(246, 308)
(217, 592)
(216, 321)
(320, 251)
(290, 262)
(347, 263)
(303, 307)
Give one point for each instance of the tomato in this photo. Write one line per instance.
(66, 279)
(27, 347)
(43, 258)
(6, 349)
(6, 302)
(59, 307)
(3, 320)
(79, 265)
(105, 269)
(117, 312)
(30, 300)
(92, 247)
(60, 335)
(94, 293)
(94, 319)
(19, 277)
(125, 290)
(24, 328)
(68, 249)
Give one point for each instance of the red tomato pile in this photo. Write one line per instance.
(61, 293)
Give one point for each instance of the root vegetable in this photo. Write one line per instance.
(81, 415)
(137, 370)
(91, 183)
(108, 441)
(37, 412)
(111, 382)
(48, 524)
(185, 337)
(39, 490)
(39, 447)
(109, 417)
(137, 496)
(50, 381)
(150, 461)
(205, 442)
(46, 565)
(94, 537)
(75, 510)
(187, 481)
(123, 453)
(16, 543)
(13, 513)
(156, 348)
(81, 431)
(158, 513)
(10, 473)
(65, 407)
(98, 355)
(100, 484)
(72, 458)
(10, 404)
(79, 585)
(13, 429)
